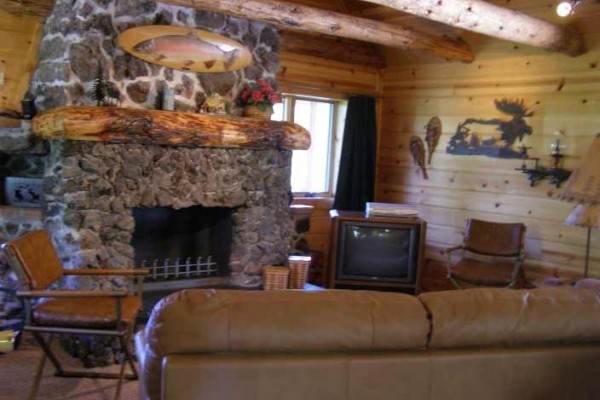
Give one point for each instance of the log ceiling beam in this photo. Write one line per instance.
(309, 19)
(492, 20)
(341, 5)
(38, 8)
(332, 48)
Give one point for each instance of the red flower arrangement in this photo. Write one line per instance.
(260, 94)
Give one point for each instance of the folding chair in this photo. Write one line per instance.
(81, 312)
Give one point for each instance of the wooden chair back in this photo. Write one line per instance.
(494, 238)
(34, 259)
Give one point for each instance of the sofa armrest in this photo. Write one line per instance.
(588, 283)
(144, 375)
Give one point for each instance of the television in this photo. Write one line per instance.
(374, 252)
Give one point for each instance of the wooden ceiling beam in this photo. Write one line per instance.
(492, 20)
(332, 48)
(37, 8)
(308, 19)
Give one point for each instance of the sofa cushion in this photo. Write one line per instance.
(209, 321)
(200, 320)
(497, 317)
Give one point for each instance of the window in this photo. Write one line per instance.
(314, 170)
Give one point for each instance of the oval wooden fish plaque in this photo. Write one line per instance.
(185, 48)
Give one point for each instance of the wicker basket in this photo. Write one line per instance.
(275, 278)
(298, 271)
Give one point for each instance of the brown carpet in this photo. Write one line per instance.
(17, 369)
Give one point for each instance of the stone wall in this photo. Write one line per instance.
(90, 189)
(13, 223)
(80, 39)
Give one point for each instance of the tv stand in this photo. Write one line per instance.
(397, 242)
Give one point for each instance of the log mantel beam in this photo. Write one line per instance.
(492, 20)
(298, 17)
(127, 125)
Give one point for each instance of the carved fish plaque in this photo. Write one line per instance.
(185, 48)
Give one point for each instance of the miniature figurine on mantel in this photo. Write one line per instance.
(105, 94)
(214, 104)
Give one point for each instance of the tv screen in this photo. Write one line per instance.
(377, 251)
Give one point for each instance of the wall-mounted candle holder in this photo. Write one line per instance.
(556, 174)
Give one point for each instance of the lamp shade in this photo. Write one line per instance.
(587, 216)
(583, 185)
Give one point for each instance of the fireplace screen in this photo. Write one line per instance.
(183, 244)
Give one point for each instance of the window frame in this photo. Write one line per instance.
(289, 103)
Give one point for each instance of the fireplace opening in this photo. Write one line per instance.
(182, 248)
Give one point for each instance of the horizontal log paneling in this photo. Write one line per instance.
(325, 76)
(19, 40)
(563, 94)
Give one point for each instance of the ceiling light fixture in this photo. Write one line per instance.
(565, 8)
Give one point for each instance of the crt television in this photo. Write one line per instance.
(384, 252)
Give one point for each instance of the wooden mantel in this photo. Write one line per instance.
(128, 125)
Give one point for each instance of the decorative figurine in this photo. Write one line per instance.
(105, 94)
(214, 104)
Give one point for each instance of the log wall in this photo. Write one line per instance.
(19, 40)
(563, 92)
(325, 78)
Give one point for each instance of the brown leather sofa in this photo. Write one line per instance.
(483, 344)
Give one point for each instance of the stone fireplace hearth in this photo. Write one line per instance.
(91, 189)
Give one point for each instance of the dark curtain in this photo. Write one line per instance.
(356, 179)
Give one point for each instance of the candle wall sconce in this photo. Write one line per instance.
(555, 174)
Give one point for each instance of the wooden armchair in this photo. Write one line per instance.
(87, 312)
(491, 255)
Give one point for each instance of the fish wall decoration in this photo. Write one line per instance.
(185, 48)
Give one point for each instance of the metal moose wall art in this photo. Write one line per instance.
(466, 142)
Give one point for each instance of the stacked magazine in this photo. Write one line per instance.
(390, 210)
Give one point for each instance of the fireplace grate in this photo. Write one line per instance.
(179, 269)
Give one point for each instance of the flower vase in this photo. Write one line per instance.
(255, 112)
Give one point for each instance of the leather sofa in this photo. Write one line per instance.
(363, 345)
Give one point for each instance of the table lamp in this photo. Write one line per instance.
(583, 188)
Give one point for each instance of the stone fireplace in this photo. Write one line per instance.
(90, 188)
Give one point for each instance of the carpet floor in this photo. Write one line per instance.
(17, 369)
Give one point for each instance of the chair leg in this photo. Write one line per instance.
(47, 353)
(128, 359)
(128, 353)
(45, 345)
(38, 374)
(120, 381)
(455, 283)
